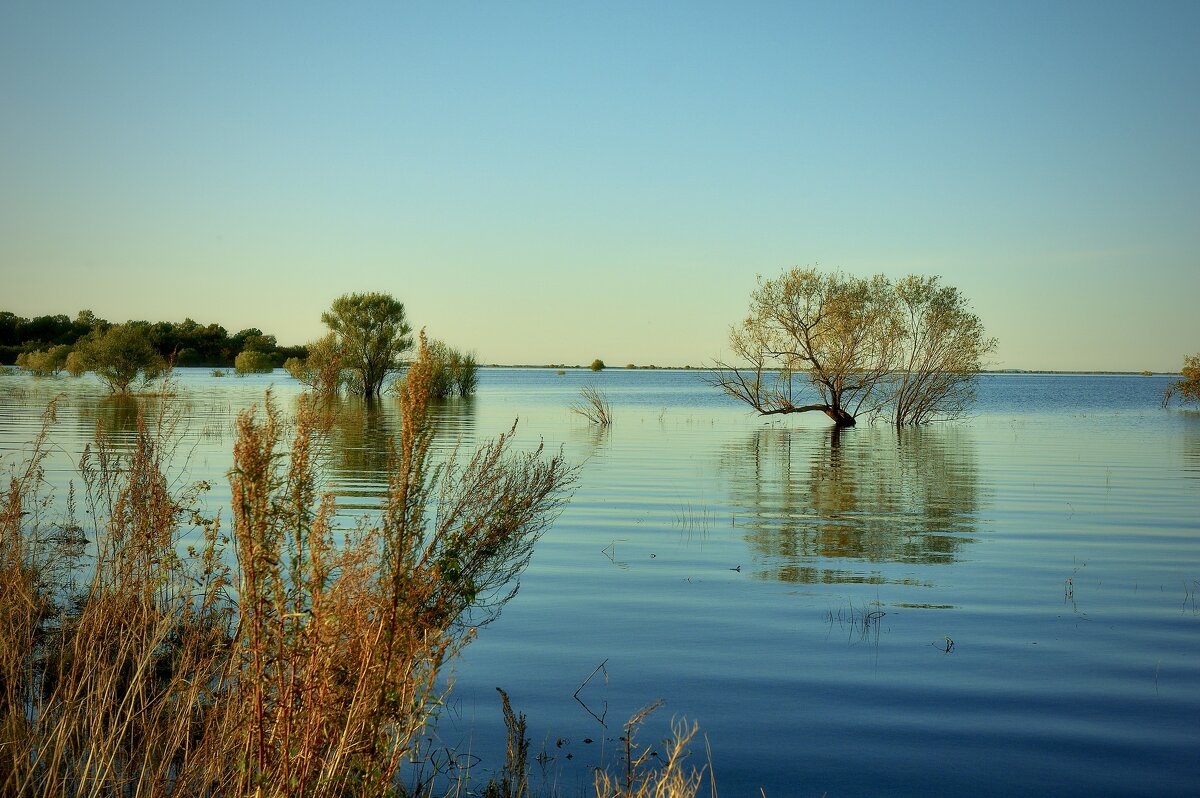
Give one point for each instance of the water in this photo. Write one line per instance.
(1001, 606)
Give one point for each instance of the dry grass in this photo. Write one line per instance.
(283, 658)
(593, 406)
(671, 778)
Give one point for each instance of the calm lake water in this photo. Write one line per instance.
(1005, 605)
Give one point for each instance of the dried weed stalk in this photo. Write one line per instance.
(307, 667)
(593, 406)
(671, 778)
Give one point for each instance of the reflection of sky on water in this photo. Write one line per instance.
(965, 532)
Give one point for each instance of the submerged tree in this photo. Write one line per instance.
(76, 363)
(944, 346)
(452, 372)
(321, 368)
(1187, 388)
(122, 355)
(372, 335)
(45, 363)
(253, 361)
(841, 331)
(865, 346)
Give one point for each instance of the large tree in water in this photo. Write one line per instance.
(373, 334)
(848, 346)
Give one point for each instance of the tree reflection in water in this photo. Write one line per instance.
(1191, 444)
(815, 501)
(357, 456)
(116, 417)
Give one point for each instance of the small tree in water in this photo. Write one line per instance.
(866, 345)
(452, 372)
(1186, 389)
(121, 356)
(45, 363)
(321, 368)
(252, 361)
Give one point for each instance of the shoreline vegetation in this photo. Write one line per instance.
(212, 346)
(1018, 372)
(1098, 372)
(149, 647)
(186, 343)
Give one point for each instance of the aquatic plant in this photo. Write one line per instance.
(861, 620)
(593, 406)
(636, 778)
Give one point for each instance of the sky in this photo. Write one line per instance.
(556, 182)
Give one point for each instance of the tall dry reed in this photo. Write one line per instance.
(292, 658)
(109, 652)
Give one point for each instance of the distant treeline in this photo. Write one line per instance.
(188, 343)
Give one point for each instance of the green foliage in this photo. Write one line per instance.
(441, 380)
(372, 335)
(45, 363)
(254, 340)
(321, 368)
(186, 343)
(20, 335)
(943, 346)
(597, 365)
(1187, 388)
(451, 371)
(466, 373)
(76, 363)
(866, 345)
(122, 356)
(252, 361)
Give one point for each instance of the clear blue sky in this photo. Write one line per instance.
(553, 182)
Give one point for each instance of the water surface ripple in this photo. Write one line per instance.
(1005, 605)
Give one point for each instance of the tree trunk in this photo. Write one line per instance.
(840, 417)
